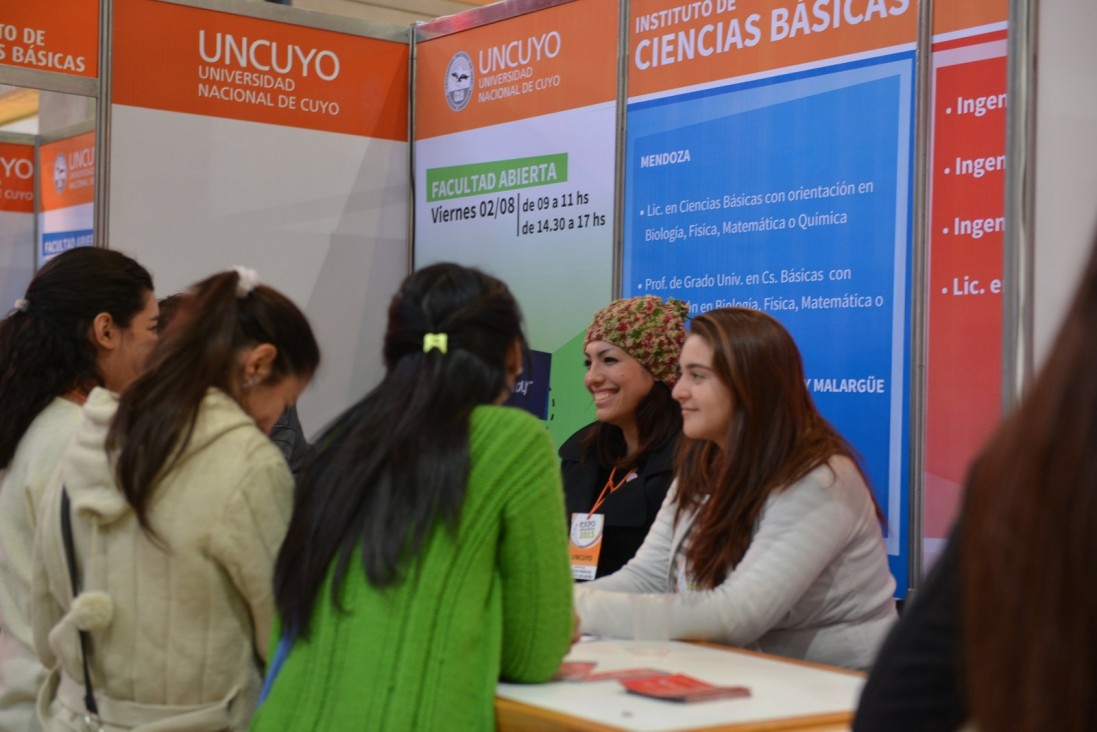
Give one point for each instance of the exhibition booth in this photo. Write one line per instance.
(839, 164)
(862, 170)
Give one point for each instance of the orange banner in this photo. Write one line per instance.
(181, 59)
(16, 177)
(51, 35)
(679, 44)
(560, 58)
(954, 16)
(68, 172)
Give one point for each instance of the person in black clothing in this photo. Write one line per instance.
(916, 684)
(1003, 636)
(289, 437)
(622, 465)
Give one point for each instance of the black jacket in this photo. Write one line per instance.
(629, 511)
(289, 437)
(916, 684)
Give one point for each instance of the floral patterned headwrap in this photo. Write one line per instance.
(646, 328)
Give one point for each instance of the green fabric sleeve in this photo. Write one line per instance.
(533, 558)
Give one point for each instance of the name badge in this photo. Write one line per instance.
(585, 544)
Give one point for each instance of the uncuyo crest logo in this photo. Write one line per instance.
(60, 173)
(459, 79)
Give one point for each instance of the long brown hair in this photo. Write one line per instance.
(775, 437)
(1029, 545)
(157, 413)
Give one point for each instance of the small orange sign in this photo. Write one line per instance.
(560, 58)
(16, 177)
(679, 44)
(68, 172)
(51, 35)
(182, 59)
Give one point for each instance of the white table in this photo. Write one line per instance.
(785, 694)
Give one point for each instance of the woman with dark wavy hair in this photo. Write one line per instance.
(769, 538)
(426, 558)
(88, 319)
(620, 467)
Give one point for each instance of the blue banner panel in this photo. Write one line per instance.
(791, 195)
(55, 242)
(531, 390)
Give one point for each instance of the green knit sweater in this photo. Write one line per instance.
(494, 602)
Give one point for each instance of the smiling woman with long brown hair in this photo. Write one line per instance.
(770, 538)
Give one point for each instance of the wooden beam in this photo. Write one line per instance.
(17, 103)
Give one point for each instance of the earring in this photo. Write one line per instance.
(248, 383)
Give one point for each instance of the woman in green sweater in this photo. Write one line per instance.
(425, 559)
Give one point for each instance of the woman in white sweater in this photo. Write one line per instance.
(770, 538)
(178, 504)
(88, 319)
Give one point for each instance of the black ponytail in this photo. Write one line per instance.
(393, 466)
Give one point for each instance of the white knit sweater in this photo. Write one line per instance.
(192, 610)
(21, 488)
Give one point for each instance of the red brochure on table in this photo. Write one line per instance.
(682, 688)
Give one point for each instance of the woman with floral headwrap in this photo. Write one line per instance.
(618, 469)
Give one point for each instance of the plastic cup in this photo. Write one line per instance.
(651, 623)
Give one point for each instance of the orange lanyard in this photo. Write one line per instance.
(609, 486)
(77, 396)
